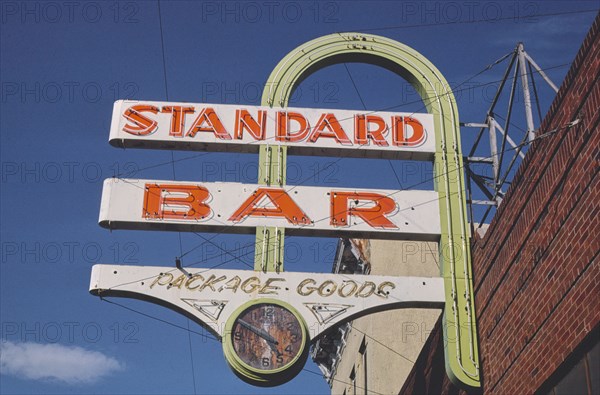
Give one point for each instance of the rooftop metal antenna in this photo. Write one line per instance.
(493, 188)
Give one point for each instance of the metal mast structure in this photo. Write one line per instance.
(523, 69)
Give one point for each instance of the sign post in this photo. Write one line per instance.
(267, 317)
(269, 246)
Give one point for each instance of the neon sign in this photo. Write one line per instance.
(309, 211)
(242, 128)
(304, 307)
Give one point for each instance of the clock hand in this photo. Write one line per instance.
(270, 339)
(273, 347)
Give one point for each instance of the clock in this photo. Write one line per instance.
(265, 342)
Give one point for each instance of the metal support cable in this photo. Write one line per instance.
(162, 42)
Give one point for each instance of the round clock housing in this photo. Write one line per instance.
(266, 342)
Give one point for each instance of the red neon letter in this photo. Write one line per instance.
(175, 201)
(335, 130)
(214, 124)
(400, 135)
(142, 124)
(362, 132)
(177, 118)
(283, 126)
(243, 120)
(375, 215)
(284, 207)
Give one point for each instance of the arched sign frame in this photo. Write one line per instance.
(459, 324)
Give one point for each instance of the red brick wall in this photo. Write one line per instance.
(537, 270)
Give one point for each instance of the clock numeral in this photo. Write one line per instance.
(290, 325)
(266, 362)
(288, 349)
(269, 312)
(237, 336)
(280, 359)
(294, 337)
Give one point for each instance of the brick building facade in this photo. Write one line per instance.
(537, 269)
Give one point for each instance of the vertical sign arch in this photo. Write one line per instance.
(460, 334)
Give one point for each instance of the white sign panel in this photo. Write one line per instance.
(210, 296)
(241, 128)
(241, 208)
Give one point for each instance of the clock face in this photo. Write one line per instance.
(267, 336)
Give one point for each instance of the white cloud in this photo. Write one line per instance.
(545, 33)
(55, 362)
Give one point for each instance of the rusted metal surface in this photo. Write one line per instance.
(267, 337)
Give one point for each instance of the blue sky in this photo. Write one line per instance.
(62, 65)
